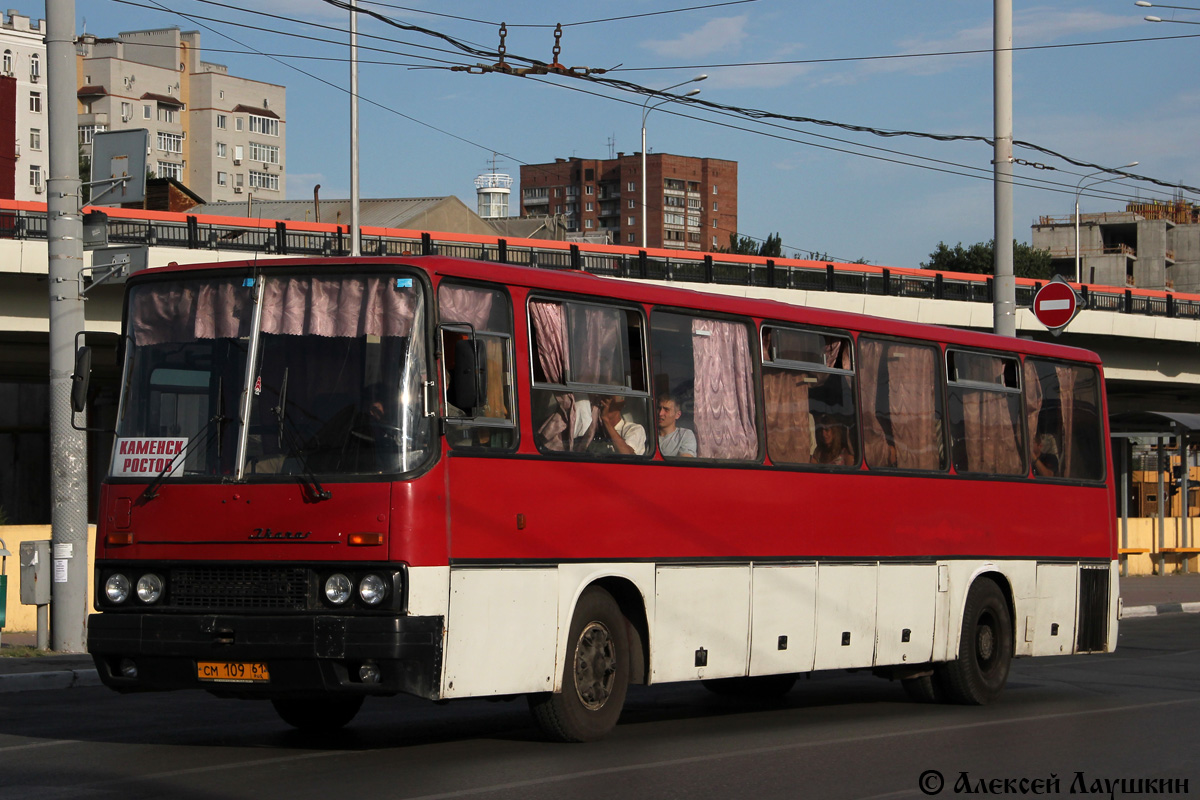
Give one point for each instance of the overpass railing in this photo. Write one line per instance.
(23, 220)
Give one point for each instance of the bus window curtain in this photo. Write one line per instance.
(724, 390)
(789, 422)
(550, 328)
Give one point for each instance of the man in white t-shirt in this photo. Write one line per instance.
(613, 433)
(673, 441)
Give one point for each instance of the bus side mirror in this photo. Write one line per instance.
(469, 380)
(79, 380)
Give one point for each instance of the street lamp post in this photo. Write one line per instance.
(646, 109)
(1079, 187)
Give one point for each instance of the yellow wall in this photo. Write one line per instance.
(24, 618)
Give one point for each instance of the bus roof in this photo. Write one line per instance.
(577, 282)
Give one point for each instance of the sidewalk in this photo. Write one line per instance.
(1141, 596)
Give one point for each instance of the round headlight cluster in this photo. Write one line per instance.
(338, 589)
(373, 589)
(149, 588)
(118, 588)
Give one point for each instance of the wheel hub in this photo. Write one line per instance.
(985, 643)
(595, 666)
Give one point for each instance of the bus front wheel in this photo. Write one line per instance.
(985, 648)
(595, 674)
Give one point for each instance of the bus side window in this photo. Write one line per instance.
(477, 325)
(809, 397)
(902, 408)
(705, 364)
(985, 404)
(589, 383)
(1062, 406)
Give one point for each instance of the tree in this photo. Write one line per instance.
(979, 258)
(772, 247)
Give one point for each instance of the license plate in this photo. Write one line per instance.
(233, 671)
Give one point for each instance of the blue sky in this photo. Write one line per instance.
(1105, 104)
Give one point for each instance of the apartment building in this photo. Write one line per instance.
(221, 135)
(25, 155)
(691, 203)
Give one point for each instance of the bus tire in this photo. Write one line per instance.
(317, 714)
(595, 674)
(985, 648)
(754, 688)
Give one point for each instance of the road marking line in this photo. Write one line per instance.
(500, 787)
(55, 743)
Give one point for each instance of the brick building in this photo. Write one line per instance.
(691, 203)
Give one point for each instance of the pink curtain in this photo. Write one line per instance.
(724, 390)
(1066, 396)
(599, 347)
(901, 424)
(466, 304)
(1034, 399)
(183, 311)
(785, 400)
(990, 428)
(343, 307)
(550, 326)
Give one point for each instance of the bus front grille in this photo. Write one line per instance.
(239, 588)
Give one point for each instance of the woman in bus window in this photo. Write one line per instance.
(832, 446)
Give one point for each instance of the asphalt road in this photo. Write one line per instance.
(1130, 715)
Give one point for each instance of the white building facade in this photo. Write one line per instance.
(220, 135)
(23, 54)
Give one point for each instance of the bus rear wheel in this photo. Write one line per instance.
(317, 714)
(985, 648)
(595, 674)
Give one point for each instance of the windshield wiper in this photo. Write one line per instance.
(287, 433)
(210, 427)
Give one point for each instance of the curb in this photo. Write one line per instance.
(60, 679)
(1161, 608)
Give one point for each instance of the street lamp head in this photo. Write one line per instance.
(1152, 19)
(691, 93)
(701, 77)
(1144, 4)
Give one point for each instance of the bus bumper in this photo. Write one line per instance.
(304, 654)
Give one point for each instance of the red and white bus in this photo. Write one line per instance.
(335, 478)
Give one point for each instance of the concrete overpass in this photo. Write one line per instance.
(1150, 341)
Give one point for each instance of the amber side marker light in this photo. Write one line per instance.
(118, 539)
(365, 539)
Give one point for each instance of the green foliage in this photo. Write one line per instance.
(747, 246)
(979, 258)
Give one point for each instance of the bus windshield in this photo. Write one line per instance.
(287, 375)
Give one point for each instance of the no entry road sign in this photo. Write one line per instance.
(1055, 305)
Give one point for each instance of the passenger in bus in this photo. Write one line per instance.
(1045, 455)
(611, 431)
(673, 441)
(832, 445)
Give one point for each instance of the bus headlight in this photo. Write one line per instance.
(338, 589)
(373, 589)
(149, 588)
(116, 588)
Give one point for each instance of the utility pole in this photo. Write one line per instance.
(355, 237)
(64, 236)
(1004, 286)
